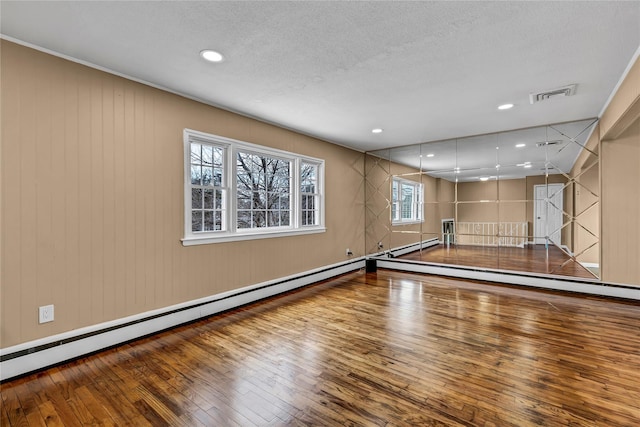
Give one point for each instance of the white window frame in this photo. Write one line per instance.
(417, 208)
(232, 233)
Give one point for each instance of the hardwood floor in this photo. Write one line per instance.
(363, 349)
(532, 258)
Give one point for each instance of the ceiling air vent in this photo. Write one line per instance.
(553, 93)
(545, 143)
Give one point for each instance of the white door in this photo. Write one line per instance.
(547, 213)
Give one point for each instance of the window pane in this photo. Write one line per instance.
(244, 200)
(285, 218)
(407, 201)
(208, 199)
(258, 200)
(196, 175)
(244, 219)
(219, 199)
(307, 174)
(195, 154)
(196, 221)
(218, 221)
(207, 154)
(273, 219)
(217, 177)
(218, 156)
(208, 221)
(196, 198)
(258, 219)
(207, 175)
(244, 181)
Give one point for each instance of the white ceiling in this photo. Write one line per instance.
(422, 71)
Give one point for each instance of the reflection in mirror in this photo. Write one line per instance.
(378, 204)
(523, 200)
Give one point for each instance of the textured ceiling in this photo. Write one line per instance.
(422, 71)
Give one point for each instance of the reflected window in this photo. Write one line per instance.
(406, 201)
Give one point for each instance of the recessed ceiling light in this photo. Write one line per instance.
(521, 145)
(212, 55)
(527, 165)
(505, 106)
(430, 155)
(376, 130)
(484, 178)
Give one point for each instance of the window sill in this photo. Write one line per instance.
(250, 235)
(395, 223)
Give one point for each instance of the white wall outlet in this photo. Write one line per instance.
(45, 314)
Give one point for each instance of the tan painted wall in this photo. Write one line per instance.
(92, 199)
(621, 207)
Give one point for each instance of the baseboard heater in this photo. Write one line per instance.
(560, 283)
(35, 355)
(403, 250)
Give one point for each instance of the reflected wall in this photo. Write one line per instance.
(524, 200)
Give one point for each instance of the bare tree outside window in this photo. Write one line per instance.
(263, 191)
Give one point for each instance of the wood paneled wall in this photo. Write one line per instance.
(92, 199)
(620, 180)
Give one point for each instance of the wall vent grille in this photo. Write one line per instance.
(552, 93)
(545, 143)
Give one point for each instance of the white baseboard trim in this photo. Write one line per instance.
(402, 250)
(560, 283)
(589, 264)
(38, 354)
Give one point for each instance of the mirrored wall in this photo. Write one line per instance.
(523, 200)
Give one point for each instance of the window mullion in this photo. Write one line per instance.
(296, 197)
(232, 185)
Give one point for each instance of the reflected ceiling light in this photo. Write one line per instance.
(484, 178)
(430, 155)
(520, 145)
(211, 55)
(505, 106)
(528, 165)
(376, 130)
